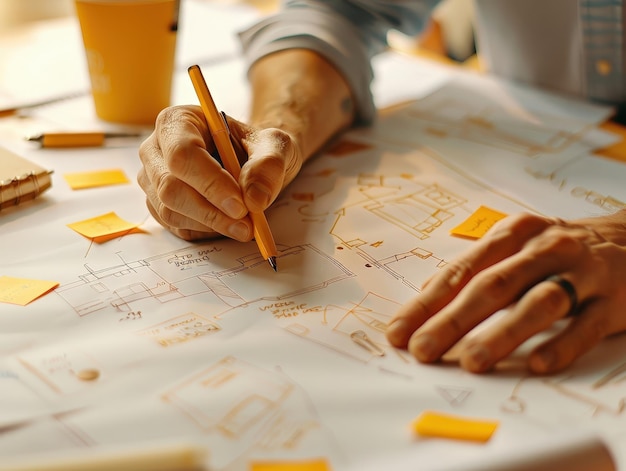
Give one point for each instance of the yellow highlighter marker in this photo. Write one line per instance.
(221, 136)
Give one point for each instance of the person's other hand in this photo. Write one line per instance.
(508, 268)
(188, 191)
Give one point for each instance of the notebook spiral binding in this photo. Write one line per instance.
(16, 183)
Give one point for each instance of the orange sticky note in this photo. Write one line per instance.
(307, 465)
(22, 290)
(478, 223)
(434, 424)
(81, 180)
(104, 227)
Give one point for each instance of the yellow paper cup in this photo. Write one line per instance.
(130, 47)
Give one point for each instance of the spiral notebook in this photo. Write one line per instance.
(21, 180)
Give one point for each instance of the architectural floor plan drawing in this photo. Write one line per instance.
(133, 289)
(151, 337)
(482, 119)
(241, 407)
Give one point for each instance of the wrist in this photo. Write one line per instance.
(300, 93)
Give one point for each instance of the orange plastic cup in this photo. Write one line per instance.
(130, 47)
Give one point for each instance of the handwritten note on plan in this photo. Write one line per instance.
(477, 225)
(82, 180)
(104, 227)
(22, 291)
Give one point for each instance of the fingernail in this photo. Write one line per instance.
(423, 347)
(477, 358)
(259, 193)
(543, 362)
(239, 231)
(234, 208)
(395, 332)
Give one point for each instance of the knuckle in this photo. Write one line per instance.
(176, 158)
(456, 274)
(210, 219)
(168, 115)
(208, 187)
(454, 327)
(521, 221)
(167, 189)
(418, 309)
(497, 283)
(557, 241)
(168, 216)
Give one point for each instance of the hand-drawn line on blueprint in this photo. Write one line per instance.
(357, 331)
(454, 395)
(453, 112)
(219, 277)
(414, 208)
(606, 395)
(242, 408)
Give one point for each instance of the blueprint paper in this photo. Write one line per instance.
(204, 341)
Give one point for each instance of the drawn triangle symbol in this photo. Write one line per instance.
(454, 395)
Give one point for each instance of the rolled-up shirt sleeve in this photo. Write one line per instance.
(348, 33)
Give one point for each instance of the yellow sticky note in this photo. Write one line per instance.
(434, 424)
(478, 223)
(104, 227)
(22, 290)
(307, 465)
(81, 180)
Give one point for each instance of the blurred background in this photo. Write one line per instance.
(450, 33)
(16, 12)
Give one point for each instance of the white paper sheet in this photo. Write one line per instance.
(205, 341)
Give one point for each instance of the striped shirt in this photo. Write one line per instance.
(572, 46)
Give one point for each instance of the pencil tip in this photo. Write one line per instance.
(272, 262)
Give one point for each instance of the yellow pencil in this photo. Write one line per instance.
(221, 137)
(76, 139)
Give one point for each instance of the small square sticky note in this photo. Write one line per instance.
(22, 290)
(104, 227)
(477, 225)
(434, 424)
(305, 465)
(82, 180)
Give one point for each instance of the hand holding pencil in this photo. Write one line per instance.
(218, 127)
(191, 193)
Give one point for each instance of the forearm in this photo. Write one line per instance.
(299, 92)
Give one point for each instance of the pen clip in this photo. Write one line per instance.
(223, 115)
(239, 150)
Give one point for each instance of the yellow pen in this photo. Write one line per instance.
(221, 137)
(76, 139)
